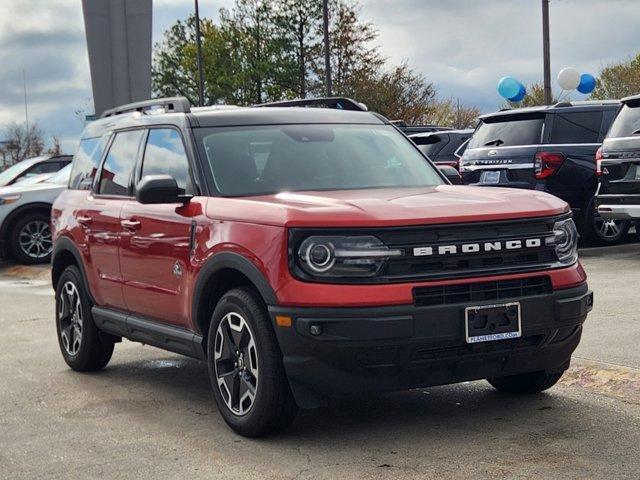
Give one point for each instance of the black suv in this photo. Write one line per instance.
(618, 163)
(443, 147)
(551, 149)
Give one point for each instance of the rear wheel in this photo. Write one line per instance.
(30, 239)
(526, 383)
(245, 367)
(599, 231)
(83, 347)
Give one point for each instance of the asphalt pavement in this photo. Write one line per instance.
(150, 414)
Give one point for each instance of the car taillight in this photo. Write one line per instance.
(547, 163)
(599, 162)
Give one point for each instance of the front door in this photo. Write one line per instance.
(156, 245)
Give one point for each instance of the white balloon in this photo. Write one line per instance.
(569, 78)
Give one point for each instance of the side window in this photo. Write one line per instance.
(120, 162)
(85, 163)
(44, 167)
(576, 127)
(165, 155)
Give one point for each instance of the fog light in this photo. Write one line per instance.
(315, 330)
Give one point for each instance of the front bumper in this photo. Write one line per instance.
(401, 347)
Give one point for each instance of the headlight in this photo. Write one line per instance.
(8, 199)
(565, 240)
(334, 256)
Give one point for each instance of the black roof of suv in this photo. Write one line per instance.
(548, 148)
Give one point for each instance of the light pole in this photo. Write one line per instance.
(546, 52)
(327, 56)
(199, 53)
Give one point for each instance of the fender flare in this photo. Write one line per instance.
(65, 245)
(233, 261)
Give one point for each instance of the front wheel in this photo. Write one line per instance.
(599, 231)
(526, 383)
(245, 366)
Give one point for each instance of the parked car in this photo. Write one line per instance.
(444, 147)
(25, 233)
(550, 149)
(33, 167)
(618, 163)
(305, 254)
(410, 129)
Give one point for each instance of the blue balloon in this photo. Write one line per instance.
(587, 83)
(521, 93)
(508, 87)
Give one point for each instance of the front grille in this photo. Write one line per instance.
(461, 264)
(410, 266)
(481, 291)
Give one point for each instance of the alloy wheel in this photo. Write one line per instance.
(608, 229)
(70, 318)
(35, 239)
(236, 363)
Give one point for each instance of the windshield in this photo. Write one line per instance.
(277, 158)
(508, 131)
(62, 176)
(626, 124)
(12, 172)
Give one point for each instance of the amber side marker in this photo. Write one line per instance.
(283, 321)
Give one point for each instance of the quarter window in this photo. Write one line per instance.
(120, 162)
(576, 127)
(165, 155)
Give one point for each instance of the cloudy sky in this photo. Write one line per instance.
(462, 46)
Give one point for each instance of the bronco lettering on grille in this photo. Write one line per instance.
(477, 247)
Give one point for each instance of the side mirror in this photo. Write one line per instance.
(451, 173)
(159, 189)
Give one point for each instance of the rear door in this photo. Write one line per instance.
(620, 163)
(502, 150)
(157, 240)
(99, 216)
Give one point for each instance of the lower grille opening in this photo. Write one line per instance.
(481, 291)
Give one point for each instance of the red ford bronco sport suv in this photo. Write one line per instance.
(305, 254)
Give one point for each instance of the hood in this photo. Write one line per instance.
(388, 207)
(12, 189)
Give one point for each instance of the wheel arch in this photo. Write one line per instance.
(221, 273)
(66, 253)
(15, 215)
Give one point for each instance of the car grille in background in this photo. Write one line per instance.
(481, 291)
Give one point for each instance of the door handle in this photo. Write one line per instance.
(130, 224)
(85, 221)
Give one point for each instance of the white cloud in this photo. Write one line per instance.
(463, 46)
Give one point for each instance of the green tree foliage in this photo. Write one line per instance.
(618, 80)
(265, 51)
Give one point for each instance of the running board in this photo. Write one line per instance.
(150, 332)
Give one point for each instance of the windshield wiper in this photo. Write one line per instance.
(497, 142)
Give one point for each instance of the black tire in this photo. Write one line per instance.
(272, 408)
(20, 231)
(637, 227)
(595, 232)
(526, 383)
(93, 350)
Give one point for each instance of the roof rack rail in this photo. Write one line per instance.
(339, 103)
(564, 104)
(171, 104)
